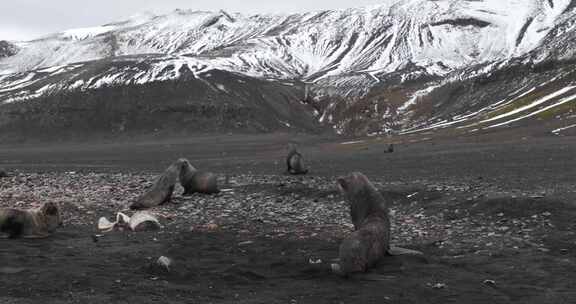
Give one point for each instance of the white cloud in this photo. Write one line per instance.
(19, 34)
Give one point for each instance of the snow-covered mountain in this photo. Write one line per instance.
(439, 36)
(351, 55)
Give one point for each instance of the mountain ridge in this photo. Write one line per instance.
(379, 38)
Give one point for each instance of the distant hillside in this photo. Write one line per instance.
(404, 66)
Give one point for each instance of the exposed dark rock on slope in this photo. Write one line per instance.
(7, 49)
(170, 108)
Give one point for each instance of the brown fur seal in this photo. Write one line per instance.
(202, 182)
(390, 149)
(371, 239)
(362, 197)
(295, 161)
(187, 172)
(37, 223)
(3, 173)
(370, 215)
(195, 181)
(162, 189)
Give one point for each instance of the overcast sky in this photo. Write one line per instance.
(28, 19)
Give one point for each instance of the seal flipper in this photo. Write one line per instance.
(13, 227)
(336, 268)
(168, 197)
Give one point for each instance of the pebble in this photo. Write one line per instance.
(164, 262)
(439, 286)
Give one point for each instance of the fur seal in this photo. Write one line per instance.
(390, 149)
(371, 218)
(194, 181)
(369, 212)
(187, 172)
(202, 182)
(36, 223)
(162, 189)
(295, 161)
(3, 173)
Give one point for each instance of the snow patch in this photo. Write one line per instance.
(414, 99)
(562, 101)
(353, 142)
(559, 130)
(87, 32)
(532, 105)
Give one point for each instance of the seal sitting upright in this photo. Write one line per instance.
(371, 218)
(195, 181)
(162, 189)
(36, 223)
(295, 161)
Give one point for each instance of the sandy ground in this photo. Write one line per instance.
(495, 220)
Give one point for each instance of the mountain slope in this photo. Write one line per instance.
(381, 39)
(215, 102)
(365, 70)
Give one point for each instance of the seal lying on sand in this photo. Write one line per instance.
(295, 161)
(195, 181)
(201, 182)
(162, 189)
(37, 223)
(371, 218)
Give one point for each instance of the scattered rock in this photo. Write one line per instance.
(438, 285)
(95, 238)
(245, 243)
(164, 262)
(212, 227)
(11, 270)
(258, 206)
(140, 221)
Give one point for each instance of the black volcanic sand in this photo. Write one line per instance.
(495, 220)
